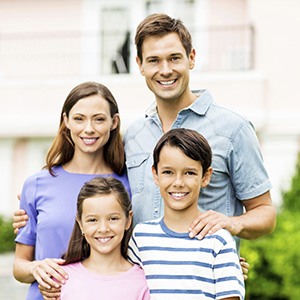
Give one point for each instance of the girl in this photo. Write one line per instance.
(96, 257)
(88, 144)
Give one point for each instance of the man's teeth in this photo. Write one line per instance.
(167, 82)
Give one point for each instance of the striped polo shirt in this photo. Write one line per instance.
(178, 267)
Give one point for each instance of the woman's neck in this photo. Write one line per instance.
(87, 164)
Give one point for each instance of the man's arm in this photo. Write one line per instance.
(258, 220)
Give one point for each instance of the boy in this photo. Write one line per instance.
(177, 266)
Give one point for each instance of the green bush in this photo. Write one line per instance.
(275, 259)
(7, 235)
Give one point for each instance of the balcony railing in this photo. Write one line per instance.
(77, 54)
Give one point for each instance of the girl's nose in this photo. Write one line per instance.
(103, 226)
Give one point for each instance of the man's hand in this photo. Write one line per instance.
(19, 219)
(210, 222)
(245, 267)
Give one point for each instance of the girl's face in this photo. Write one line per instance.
(104, 222)
(90, 124)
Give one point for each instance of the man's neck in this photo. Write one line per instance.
(169, 109)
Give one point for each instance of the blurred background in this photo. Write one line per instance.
(247, 56)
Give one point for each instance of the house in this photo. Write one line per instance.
(247, 56)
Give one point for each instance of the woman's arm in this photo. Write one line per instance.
(46, 272)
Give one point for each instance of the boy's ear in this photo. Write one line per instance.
(155, 177)
(206, 177)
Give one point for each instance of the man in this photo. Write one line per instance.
(239, 192)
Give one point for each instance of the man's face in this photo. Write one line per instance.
(166, 67)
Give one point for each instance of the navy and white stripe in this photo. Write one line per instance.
(178, 267)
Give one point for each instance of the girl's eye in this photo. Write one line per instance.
(114, 219)
(92, 220)
(77, 118)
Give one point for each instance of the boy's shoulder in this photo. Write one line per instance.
(147, 225)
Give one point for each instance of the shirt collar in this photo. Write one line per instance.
(199, 106)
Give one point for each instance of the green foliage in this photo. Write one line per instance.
(7, 235)
(291, 198)
(275, 259)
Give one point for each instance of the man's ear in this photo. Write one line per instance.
(206, 177)
(192, 57)
(155, 177)
(140, 65)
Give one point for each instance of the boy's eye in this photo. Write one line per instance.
(167, 172)
(190, 173)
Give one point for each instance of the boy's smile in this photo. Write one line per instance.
(180, 179)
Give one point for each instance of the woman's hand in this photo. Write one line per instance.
(48, 273)
(50, 294)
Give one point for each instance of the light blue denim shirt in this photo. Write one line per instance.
(238, 170)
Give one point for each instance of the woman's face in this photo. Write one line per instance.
(90, 124)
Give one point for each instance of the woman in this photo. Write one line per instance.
(88, 144)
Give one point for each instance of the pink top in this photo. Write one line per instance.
(83, 284)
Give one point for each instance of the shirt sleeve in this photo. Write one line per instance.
(27, 234)
(133, 249)
(227, 270)
(246, 165)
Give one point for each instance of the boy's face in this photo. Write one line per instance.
(180, 179)
(166, 67)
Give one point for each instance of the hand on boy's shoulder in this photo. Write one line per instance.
(210, 222)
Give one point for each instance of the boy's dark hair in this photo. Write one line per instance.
(160, 25)
(191, 142)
